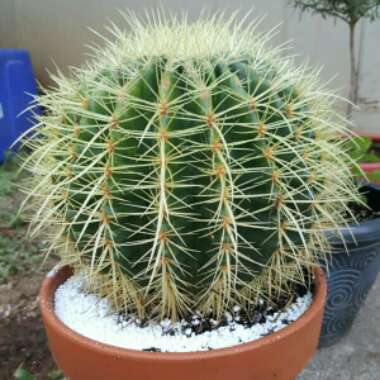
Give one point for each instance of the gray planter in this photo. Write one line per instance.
(351, 273)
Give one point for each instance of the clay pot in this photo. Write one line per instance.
(280, 356)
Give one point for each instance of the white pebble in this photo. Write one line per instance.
(236, 309)
(93, 317)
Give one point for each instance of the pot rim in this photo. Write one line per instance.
(369, 167)
(365, 231)
(373, 136)
(49, 287)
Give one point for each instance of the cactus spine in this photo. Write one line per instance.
(187, 168)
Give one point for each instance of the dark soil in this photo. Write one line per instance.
(199, 323)
(22, 338)
(367, 211)
(363, 213)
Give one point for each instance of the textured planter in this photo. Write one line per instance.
(280, 356)
(352, 272)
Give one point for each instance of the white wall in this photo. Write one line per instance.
(56, 30)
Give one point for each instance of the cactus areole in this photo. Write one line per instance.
(187, 167)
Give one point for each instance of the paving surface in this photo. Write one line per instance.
(357, 355)
(367, 121)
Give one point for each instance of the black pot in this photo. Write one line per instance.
(351, 272)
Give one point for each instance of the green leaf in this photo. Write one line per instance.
(23, 374)
(6, 185)
(357, 147)
(370, 157)
(356, 172)
(346, 10)
(56, 375)
(374, 176)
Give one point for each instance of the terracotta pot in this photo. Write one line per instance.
(280, 356)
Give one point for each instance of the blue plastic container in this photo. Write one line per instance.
(17, 85)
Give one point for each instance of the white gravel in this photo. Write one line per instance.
(92, 317)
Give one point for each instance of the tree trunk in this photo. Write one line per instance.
(354, 74)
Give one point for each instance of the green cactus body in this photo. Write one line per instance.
(189, 177)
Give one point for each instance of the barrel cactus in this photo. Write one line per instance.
(187, 167)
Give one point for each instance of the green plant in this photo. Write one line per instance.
(187, 168)
(15, 254)
(56, 375)
(350, 12)
(359, 149)
(8, 175)
(23, 374)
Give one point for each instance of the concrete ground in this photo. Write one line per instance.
(357, 355)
